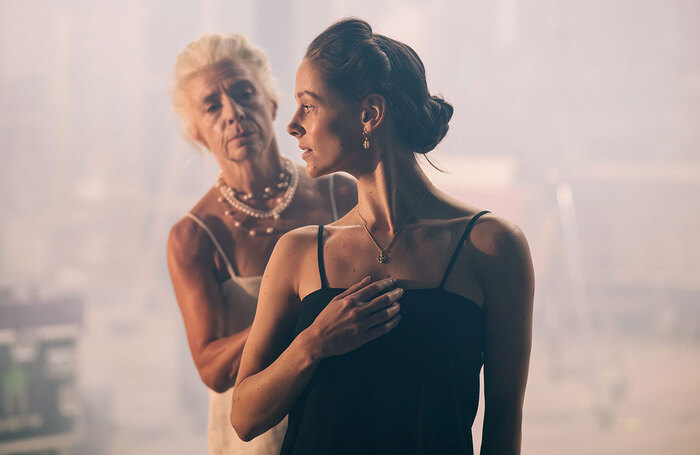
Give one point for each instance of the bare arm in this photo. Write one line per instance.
(274, 370)
(508, 282)
(217, 357)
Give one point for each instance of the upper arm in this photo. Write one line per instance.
(196, 288)
(508, 283)
(278, 303)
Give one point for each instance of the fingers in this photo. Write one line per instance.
(379, 302)
(381, 317)
(383, 328)
(371, 290)
(353, 288)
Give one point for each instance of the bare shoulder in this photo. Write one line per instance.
(294, 245)
(297, 241)
(187, 243)
(187, 240)
(345, 188)
(498, 237)
(504, 263)
(294, 253)
(344, 184)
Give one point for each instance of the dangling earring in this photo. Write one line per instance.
(365, 141)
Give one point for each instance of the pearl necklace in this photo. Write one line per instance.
(228, 194)
(255, 232)
(267, 192)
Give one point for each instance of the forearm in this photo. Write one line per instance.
(501, 434)
(219, 360)
(261, 400)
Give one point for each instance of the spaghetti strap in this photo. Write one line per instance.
(459, 246)
(201, 224)
(321, 266)
(334, 205)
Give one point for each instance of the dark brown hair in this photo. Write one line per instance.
(356, 62)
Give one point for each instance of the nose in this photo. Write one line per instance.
(233, 110)
(294, 128)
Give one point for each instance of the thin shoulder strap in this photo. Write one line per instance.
(321, 266)
(201, 224)
(334, 205)
(459, 246)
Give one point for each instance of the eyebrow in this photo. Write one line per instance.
(306, 92)
(211, 98)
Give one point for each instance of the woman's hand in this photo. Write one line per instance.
(276, 366)
(360, 314)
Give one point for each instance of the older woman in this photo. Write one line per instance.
(224, 95)
(326, 345)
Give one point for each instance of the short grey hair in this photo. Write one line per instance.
(211, 50)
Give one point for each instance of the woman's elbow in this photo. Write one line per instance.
(245, 436)
(245, 432)
(214, 382)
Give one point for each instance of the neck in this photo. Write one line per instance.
(390, 192)
(253, 174)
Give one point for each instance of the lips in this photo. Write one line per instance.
(307, 151)
(242, 135)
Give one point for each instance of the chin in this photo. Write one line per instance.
(241, 154)
(314, 171)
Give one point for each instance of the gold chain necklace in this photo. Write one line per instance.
(383, 257)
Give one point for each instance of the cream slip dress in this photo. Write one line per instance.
(240, 297)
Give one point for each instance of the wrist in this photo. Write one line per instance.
(309, 346)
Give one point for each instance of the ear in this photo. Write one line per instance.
(274, 109)
(373, 112)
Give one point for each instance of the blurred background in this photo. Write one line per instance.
(578, 120)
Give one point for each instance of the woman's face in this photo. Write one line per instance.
(232, 114)
(328, 128)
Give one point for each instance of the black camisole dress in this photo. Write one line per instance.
(414, 390)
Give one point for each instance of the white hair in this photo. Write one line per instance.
(208, 51)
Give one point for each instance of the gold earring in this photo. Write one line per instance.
(365, 141)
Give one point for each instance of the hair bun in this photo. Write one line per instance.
(433, 124)
(356, 62)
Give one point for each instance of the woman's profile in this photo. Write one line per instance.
(371, 331)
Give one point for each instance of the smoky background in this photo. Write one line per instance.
(576, 120)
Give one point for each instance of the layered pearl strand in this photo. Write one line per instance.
(288, 179)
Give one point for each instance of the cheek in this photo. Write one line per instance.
(332, 133)
(206, 123)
